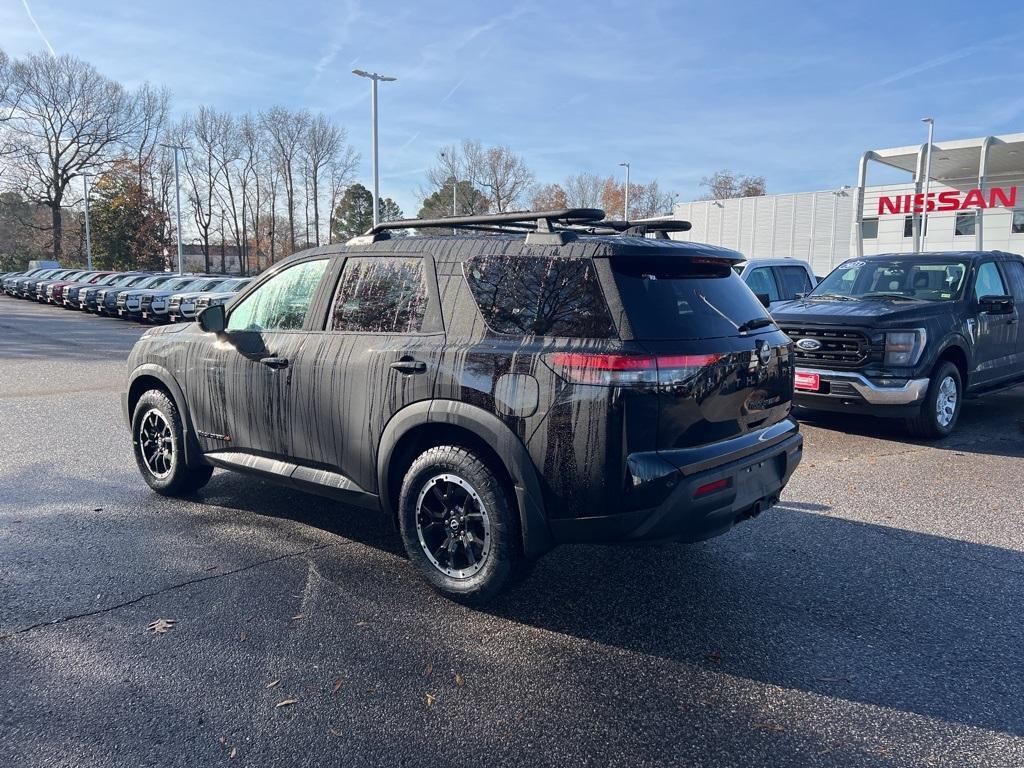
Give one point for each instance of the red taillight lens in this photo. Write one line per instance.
(712, 487)
(604, 370)
(610, 370)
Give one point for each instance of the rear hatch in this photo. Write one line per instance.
(724, 370)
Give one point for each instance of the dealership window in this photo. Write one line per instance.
(1017, 226)
(908, 226)
(965, 221)
(869, 229)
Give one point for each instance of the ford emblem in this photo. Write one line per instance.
(809, 345)
(764, 352)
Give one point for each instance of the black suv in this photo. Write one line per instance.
(555, 378)
(909, 335)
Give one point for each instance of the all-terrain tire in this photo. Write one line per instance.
(158, 442)
(475, 493)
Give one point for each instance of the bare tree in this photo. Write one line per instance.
(548, 197)
(286, 130)
(498, 172)
(253, 189)
(724, 184)
(69, 120)
(321, 145)
(340, 176)
(583, 190)
(153, 106)
(201, 134)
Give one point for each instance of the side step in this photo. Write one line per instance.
(995, 389)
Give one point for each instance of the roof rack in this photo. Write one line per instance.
(554, 227)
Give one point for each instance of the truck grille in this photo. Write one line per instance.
(841, 348)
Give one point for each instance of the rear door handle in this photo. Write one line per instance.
(408, 365)
(276, 363)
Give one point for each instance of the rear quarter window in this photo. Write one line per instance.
(539, 296)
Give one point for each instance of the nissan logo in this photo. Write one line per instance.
(809, 345)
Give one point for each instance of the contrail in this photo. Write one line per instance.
(38, 28)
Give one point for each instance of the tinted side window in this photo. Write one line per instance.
(281, 303)
(989, 282)
(1015, 272)
(760, 280)
(380, 294)
(794, 280)
(539, 296)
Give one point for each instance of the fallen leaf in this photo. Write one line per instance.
(333, 732)
(298, 616)
(232, 753)
(241, 637)
(286, 703)
(429, 670)
(430, 700)
(162, 626)
(459, 680)
(361, 623)
(273, 683)
(769, 727)
(337, 686)
(715, 656)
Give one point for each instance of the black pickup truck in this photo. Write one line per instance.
(909, 335)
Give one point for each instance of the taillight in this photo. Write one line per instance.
(613, 370)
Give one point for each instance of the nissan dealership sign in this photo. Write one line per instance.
(949, 200)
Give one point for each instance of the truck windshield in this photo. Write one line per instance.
(909, 279)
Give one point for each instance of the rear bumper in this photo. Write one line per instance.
(753, 484)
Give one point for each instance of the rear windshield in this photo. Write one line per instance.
(668, 297)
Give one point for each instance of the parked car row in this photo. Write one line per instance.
(155, 297)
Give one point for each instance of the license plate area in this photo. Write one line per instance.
(807, 381)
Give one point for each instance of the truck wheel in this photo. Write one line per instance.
(158, 441)
(459, 525)
(941, 407)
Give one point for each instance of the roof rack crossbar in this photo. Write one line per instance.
(566, 215)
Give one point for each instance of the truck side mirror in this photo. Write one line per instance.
(996, 305)
(212, 319)
(765, 299)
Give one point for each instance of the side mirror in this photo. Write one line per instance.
(765, 299)
(212, 319)
(996, 305)
(799, 295)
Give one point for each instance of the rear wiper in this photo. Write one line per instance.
(757, 322)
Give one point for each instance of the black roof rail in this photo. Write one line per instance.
(553, 227)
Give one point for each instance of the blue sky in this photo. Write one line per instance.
(794, 91)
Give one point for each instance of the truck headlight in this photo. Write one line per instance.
(904, 348)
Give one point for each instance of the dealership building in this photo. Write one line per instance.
(972, 195)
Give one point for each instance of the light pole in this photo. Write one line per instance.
(88, 234)
(374, 79)
(927, 178)
(177, 202)
(625, 205)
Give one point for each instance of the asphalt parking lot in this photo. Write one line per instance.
(873, 618)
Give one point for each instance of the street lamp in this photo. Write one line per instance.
(625, 206)
(927, 178)
(177, 202)
(374, 78)
(88, 236)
